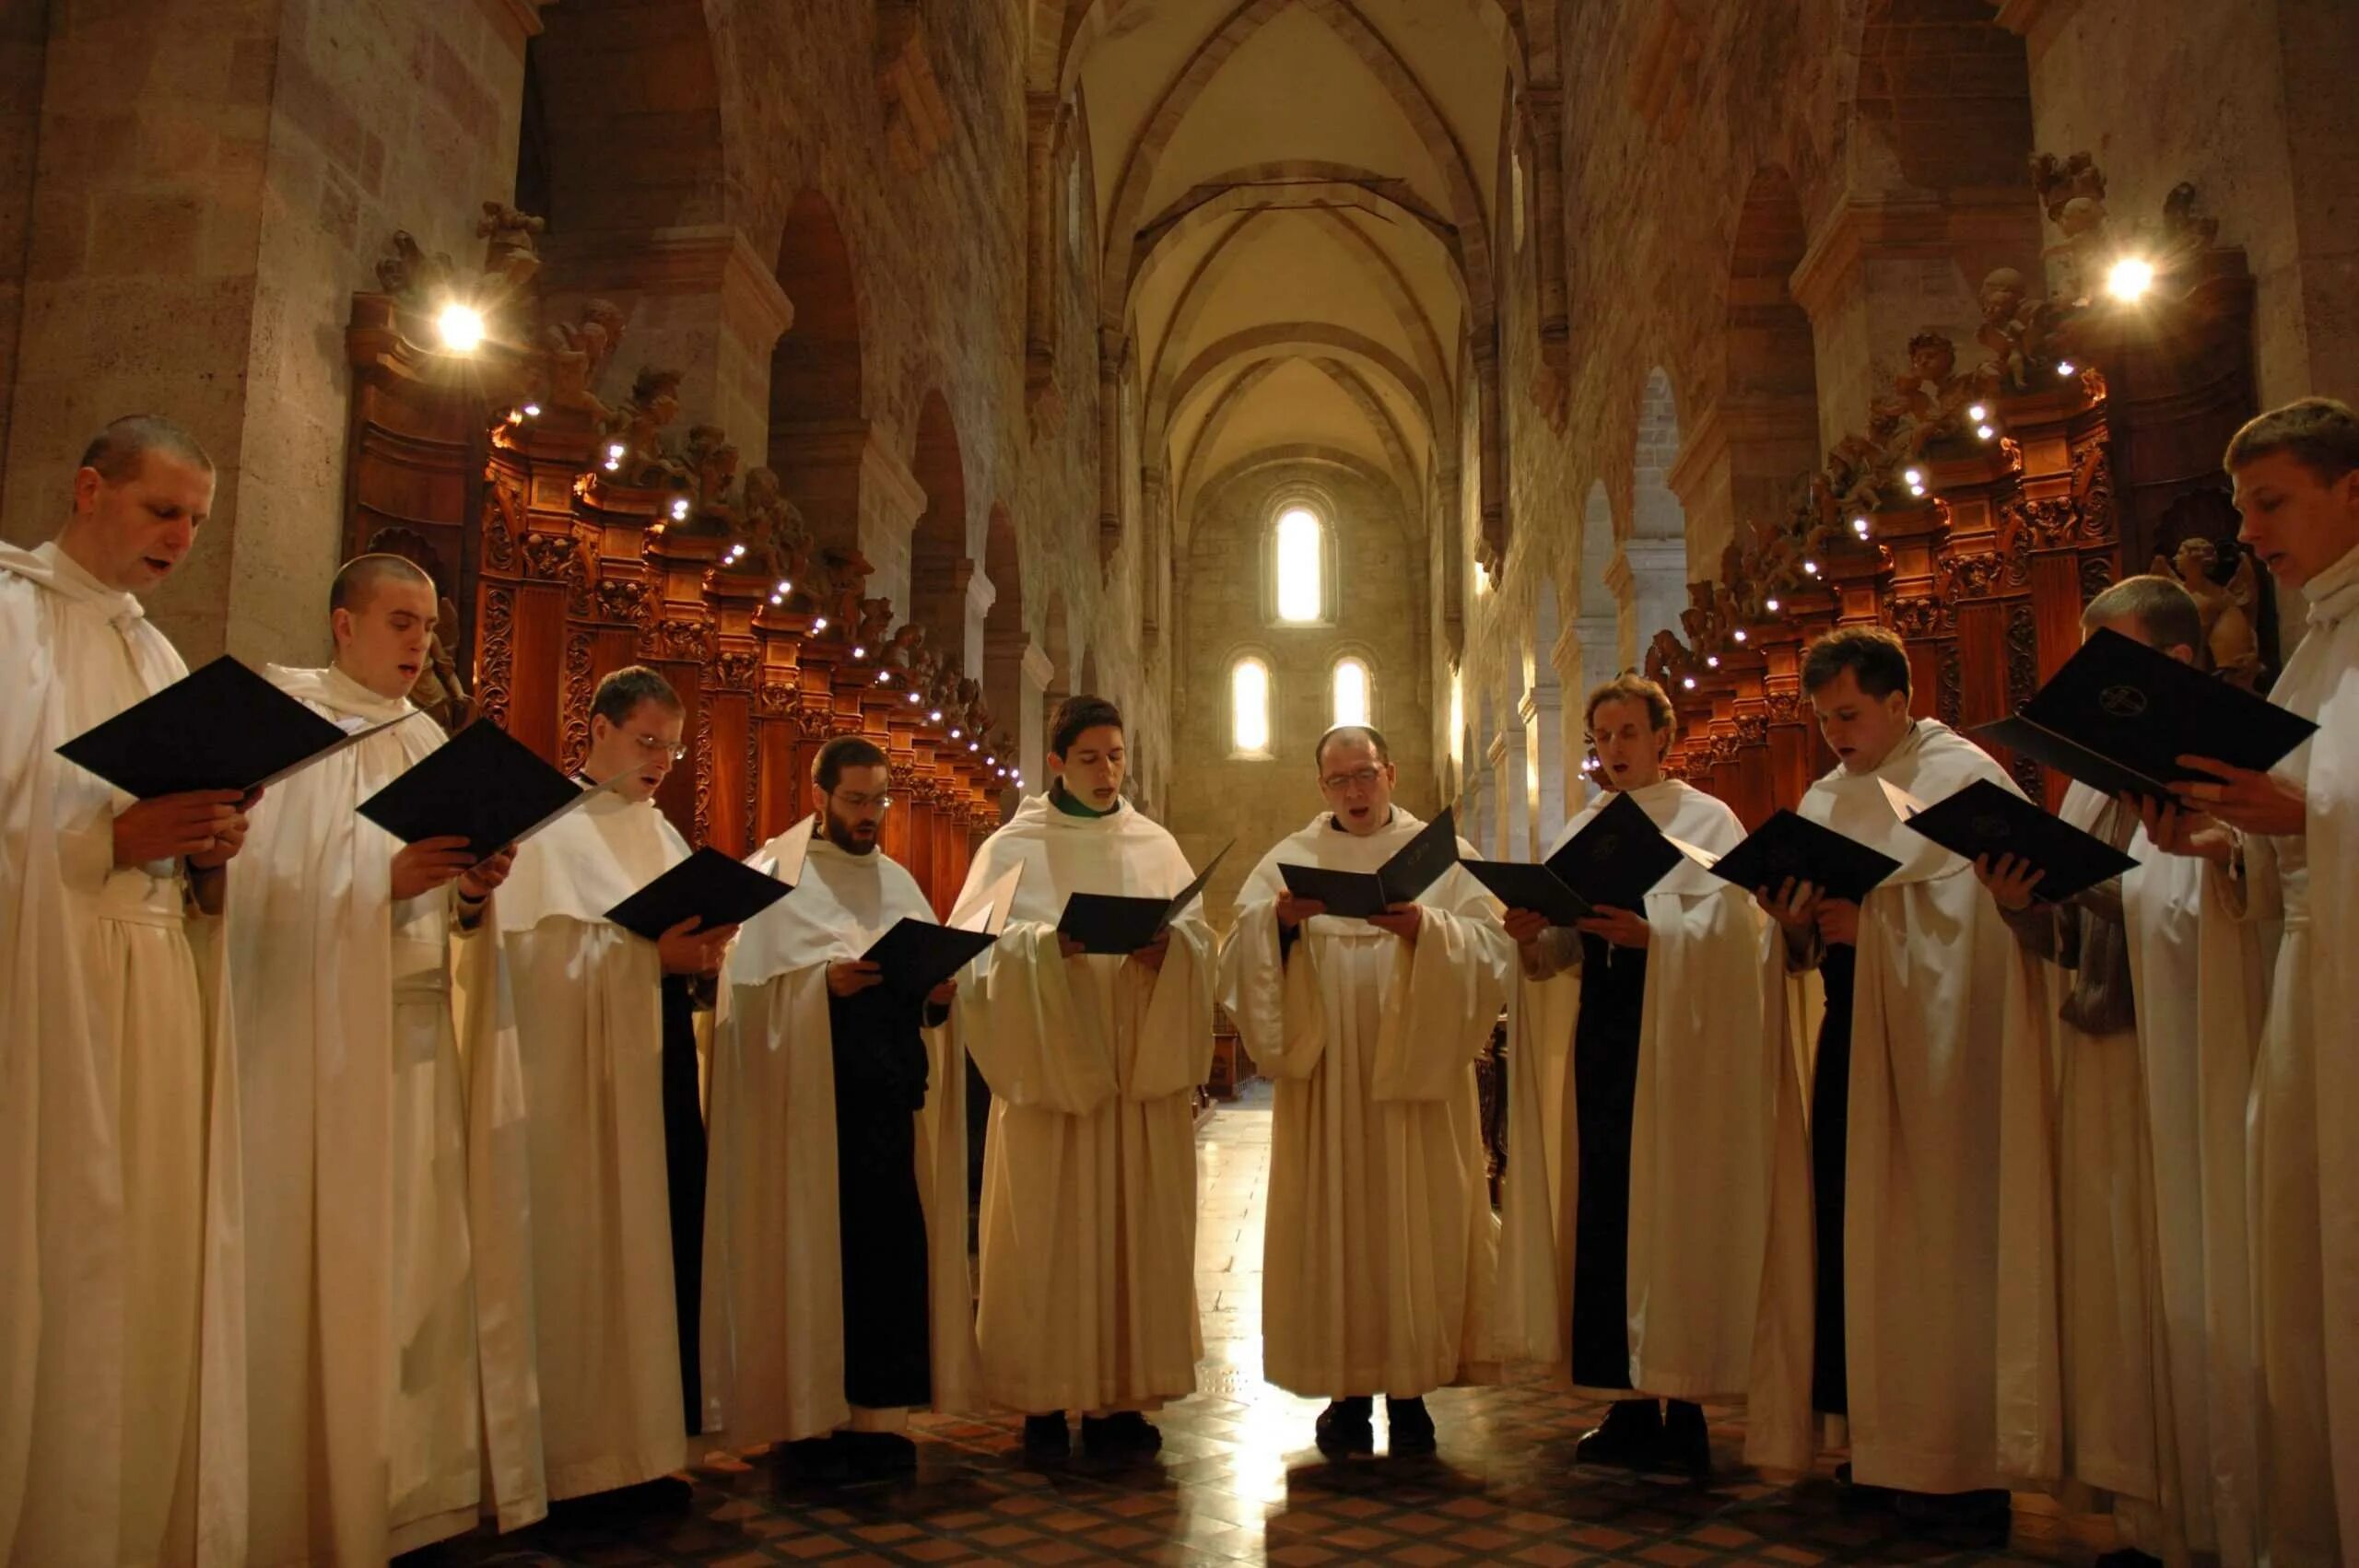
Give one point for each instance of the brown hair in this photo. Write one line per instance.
(842, 752)
(2319, 433)
(118, 451)
(620, 694)
(1628, 687)
(1369, 732)
(357, 580)
(2162, 606)
(1877, 658)
(1076, 714)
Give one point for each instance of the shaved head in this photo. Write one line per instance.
(358, 582)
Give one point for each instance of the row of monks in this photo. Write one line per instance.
(352, 1193)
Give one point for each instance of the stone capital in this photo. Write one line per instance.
(1900, 230)
(521, 17)
(712, 258)
(1735, 418)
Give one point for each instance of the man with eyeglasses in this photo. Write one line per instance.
(837, 1294)
(1381, 1251)
(605, 1023)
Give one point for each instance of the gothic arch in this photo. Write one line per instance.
(940, 568)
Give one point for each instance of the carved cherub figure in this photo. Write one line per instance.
(844, 571)
(970, 703)
(904, 646)
(1930, 393)
(2006, 333)
(2225, 608)
(774, 535)
(577, 357)
(2074, 259)
(411, 273)
(511, 252)
(875, 623)
(712, 479)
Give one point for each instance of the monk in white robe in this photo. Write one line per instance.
(382, 1362)
(2284, 846)
(1884, 1275)
(2131, 1151)
(836, 1294)
(1632, 1249)
(589, 1016)
(1088, 1220)
(122, 1438)
(1380, 1253)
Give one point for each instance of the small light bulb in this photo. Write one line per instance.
(2130, 279)
(1916, 489)
(1771, 605)
(612, 464)
(1978, 414)
(1740, 634)
(1711, 660)
(680, 507)
(914, 699)
(531, 411)
(934, 717)
(2064, 368)
(1984, 431)
(860, 653)
(1810, 567)
(973, 747)
(1860, 527)
(784, 586)
(1914, 476)
(820, 625)
(883, 677)
(778, 599)
(955, 734)
(1688, 682)
(461, 328)
(615, 452)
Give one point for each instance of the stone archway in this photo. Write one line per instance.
(1655, 552)
(816, 428)
(941, 572)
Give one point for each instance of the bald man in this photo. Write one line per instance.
(388, 1344)
(118, 1216)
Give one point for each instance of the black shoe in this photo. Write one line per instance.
(814, 1460)
(1856, 1496)
(1963, 1520)
(664, 1495)
(874, 1455)
(1687, 1445)
(1631, 1433)
(2129, 1557)
(1348, 1426)
(1047, 1438)
(1410, 1427)
(1124, 1432)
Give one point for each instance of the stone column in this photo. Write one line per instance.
(1738, 465)
(1655, 574)
(1543, 726)
(853, 489)
(1594, 658)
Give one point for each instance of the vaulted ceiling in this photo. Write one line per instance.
(1294, 200)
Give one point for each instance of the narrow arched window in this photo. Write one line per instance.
(1351, 687)
(1301, 565)
(1249, 707)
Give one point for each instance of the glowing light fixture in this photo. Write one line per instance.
(1978, 414)
(1688, 682)
(820, 625)
(1740, 634)
(1711, 660)
(2065, 367)
(2130, 279)
(531, 411)
(460, 327)
(1770, 604)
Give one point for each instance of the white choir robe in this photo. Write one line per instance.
(1380, 1254)
(122, 1392)
(379, 1357)
(1703, 1127)
(588, 1015)
(1088, 1221)
(773, 1341)
(2302, 1167)
(1945, 1006)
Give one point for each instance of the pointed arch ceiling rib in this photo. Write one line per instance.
(1294, 200)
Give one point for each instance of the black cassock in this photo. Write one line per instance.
(880, 1071)
(1830, 1120)
(684, 1157)
(1605, 1090)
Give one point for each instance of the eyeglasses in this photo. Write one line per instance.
(1358, 778)
(861, 802)
(655, 747)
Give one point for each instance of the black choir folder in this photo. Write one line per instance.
(1788, 845)
(1983, 819)
(1613, 863)
(916, 955)
(716, 889)
(1414, 868)
(222, 727)
(485, 786)
(1113, 923)
(2119, 716)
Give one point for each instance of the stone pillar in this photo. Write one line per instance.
(853, 489)
(1543, 726)
(212, 184)
(1655, 574)
(696, 299)
(1594, 658)
(1737, 465)
(1879, 272)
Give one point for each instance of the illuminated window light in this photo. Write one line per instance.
(2130, 279)
(460, 327)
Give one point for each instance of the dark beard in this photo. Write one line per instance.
(839, 833)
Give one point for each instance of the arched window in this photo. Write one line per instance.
(1301, 565)
(1351, 685)
(1249, 707)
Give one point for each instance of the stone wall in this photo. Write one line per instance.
(1378, 590)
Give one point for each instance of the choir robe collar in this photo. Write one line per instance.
(842, 906)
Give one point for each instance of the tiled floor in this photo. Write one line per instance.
(1239, 1480)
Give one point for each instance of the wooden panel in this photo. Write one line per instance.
(538, 641)
(730, 738)
(778, 785)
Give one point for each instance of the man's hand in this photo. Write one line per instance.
(1151, 955)
(944, 994)
(1526, 925)
(172, 827)
(229, 840)
(2247, 799)
(1293, 911)
(1623, 928)
(2011, 880)
(1403, 920)
(1794, 906)
(684, 949)
(478, 881)
(1070, 948)
(2176, 831)
(1838, 922)
(850, 976)
(422, 866)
